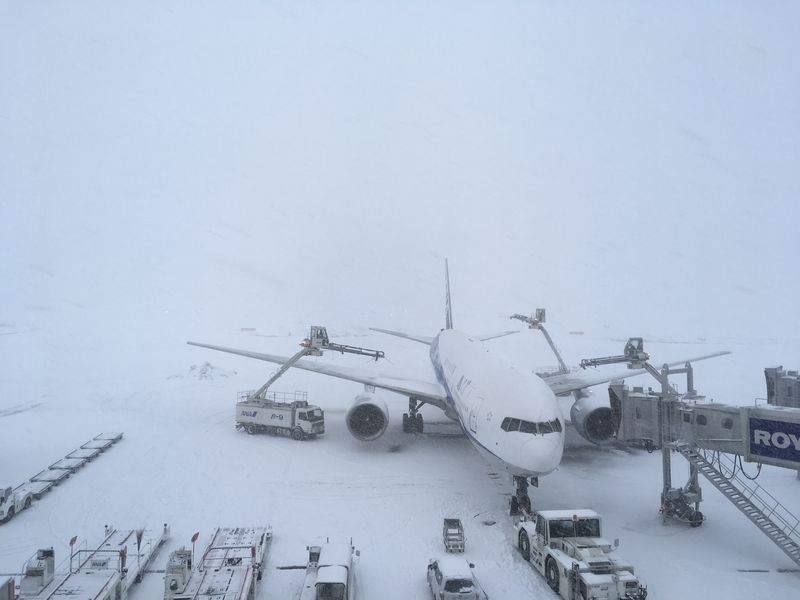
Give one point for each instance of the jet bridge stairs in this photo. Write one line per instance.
(758, 505)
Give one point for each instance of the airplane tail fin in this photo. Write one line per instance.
(448, 311)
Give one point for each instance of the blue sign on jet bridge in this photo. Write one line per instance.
(775, 439)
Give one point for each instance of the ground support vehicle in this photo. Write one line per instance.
(453, 535)
(7, 589)
(279, 413)
(567, 547)
(330, 573)
(228, 570)
(12, 501)
(15, 499)
(104, 572)
(452, 578)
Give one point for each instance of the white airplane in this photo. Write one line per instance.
(510, 414)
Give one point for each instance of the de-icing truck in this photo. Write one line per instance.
(279, 413)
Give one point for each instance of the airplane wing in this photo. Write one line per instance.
(432, 392)
(563, 384)
(491, 336)
(429, 340)
(422, 339)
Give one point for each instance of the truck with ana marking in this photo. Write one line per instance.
(279, 413)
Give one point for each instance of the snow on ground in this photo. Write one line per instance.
(182, 462)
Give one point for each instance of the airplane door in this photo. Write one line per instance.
(473, 415)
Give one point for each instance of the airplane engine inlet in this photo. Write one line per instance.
(594, 419)
(368, 418)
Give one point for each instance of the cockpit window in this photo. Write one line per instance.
(510, 424)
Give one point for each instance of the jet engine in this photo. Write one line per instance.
(594, 419)
(368, 418)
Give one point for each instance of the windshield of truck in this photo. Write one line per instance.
(458, 586)
(587, 528)
(315, 415)
(330, 591)
(569, 528)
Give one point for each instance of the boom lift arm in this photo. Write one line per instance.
(634, 355)
(313, 345)
(535, 322)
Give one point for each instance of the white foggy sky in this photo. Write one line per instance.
(181, 170)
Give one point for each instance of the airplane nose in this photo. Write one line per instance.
(542, 454)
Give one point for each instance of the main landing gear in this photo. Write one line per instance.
(520, 501)
(412, 420)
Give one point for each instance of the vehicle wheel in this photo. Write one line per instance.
(27, 503)
(697, 519)
(514, 506)
(524, 545)
(10, 513)
(297, 434)
(405, 423)
(251, 428)
(551, 573)
(419, 424)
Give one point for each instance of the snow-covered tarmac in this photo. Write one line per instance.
(182, 462)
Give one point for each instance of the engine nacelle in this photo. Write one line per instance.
(594, 419)
(368, 418)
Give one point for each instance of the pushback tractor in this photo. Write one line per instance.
(568, 548)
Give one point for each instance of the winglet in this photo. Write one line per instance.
(448, 311)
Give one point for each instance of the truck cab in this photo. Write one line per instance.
(12, 501)
(329, 573)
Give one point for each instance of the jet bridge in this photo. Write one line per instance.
(715, 439)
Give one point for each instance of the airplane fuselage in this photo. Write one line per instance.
(510, 414)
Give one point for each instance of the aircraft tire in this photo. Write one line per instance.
(419, 425)
(405, 423)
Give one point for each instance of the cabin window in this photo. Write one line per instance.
(527, 427)
(557, 426)
(587, 528)
(540, 526)
(513, 425)
(727, 423)
(687, 418)
(504, 424)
